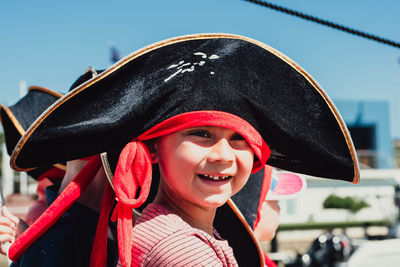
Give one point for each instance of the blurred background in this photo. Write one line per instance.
(50, 43)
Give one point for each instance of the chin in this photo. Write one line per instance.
(215, 202)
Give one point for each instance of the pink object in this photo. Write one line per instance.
(285, 186)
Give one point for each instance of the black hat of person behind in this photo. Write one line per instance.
(215, 72)
(17, 118)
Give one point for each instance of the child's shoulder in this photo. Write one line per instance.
(155, 224)
(163, 238)
(156, 217)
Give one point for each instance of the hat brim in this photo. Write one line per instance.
(17, 118)
(300, 124)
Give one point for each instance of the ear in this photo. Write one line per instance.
(152, 146)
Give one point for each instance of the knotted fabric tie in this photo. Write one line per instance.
(133, 172)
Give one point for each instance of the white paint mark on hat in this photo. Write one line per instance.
(183, 67)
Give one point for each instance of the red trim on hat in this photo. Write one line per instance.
(134, 168)
(214, 118)
(54, 174)
(62, 203)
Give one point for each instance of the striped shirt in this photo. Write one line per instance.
(161, 238)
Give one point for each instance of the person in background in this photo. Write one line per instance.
(15, 120)
(283, 186)
(258, 201)
(8, 229)
(68, 233)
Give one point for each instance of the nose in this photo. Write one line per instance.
(221, 151)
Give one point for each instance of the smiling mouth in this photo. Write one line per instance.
(214, 177)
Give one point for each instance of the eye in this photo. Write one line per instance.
(237, 137)
(200, 133)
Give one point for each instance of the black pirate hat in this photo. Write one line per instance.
(204, 79)
(244, 77)
(17, 118)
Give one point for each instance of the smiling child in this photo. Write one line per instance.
(208, 109)
(200, 169)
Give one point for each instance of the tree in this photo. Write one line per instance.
(354, 205)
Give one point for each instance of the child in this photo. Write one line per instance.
(15, 120)
(209, 109)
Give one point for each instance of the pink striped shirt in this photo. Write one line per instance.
(161, 238)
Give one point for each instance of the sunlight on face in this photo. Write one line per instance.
(203, 166)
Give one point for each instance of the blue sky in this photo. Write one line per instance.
(50, 43)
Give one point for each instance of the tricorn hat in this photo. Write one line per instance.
(203, 79)
(244, 77)
(17, 118)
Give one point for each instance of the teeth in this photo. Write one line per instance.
(216, 178)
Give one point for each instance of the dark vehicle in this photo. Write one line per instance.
(328, 250)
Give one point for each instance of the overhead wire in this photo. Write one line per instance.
(326, 23)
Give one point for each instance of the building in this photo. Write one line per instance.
(369, 125)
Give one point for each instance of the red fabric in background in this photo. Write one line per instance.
(46, 179)
(62, 203)
(265, 187)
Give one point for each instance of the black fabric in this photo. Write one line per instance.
(279, 99)
(28, 109)
(89, 74)
(11, 133)
(25, 111)
(230, 227)
(248, 198)
(69, 241)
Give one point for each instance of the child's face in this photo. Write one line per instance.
(203, 165)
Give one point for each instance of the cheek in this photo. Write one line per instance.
(189, 157)
(245, 165)
(245, 160)
(179, 160)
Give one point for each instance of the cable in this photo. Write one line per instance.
(326, 23)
